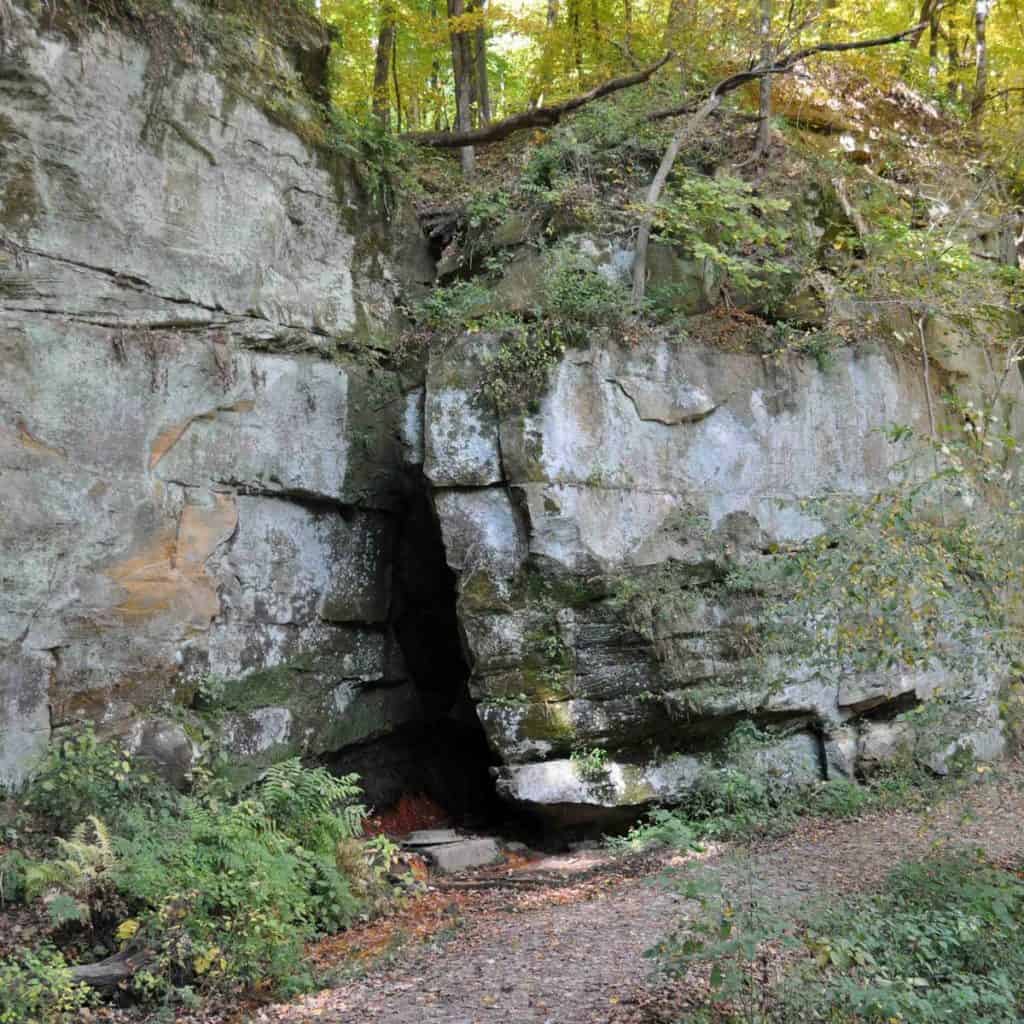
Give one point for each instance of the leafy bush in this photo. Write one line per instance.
(591, 764)
(377, 155)
(37, 988)
(449, 310)
(725, 222)
(520, 367)
(940, 944)
(230, 892)
(579, 296)
(659, 828)
(224, 888)
(82, 777)
(840, 798)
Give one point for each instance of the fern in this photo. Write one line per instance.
(312, 806)
(87, 855)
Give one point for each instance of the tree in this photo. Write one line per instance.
(981, 13)
(462, 71)
(380, 101)
(780, 66)
(538, 117)
(483, 91)
(764, 105)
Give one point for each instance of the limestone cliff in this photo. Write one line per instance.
(222, 508)
(197, 479)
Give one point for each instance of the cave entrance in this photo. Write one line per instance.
(444, 758)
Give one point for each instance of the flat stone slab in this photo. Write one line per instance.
(431, 837)
(461, 855)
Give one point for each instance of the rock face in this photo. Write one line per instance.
(196, 485)
(222, 514)
(592, 537)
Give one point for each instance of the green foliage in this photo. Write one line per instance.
(731, 931)
(72, 880)
(939, 944)
(224, 888)
(81, 777)
(821, 346)
(450, 309)
(312, 806)
(231, 891)
(840, 798)
(660, 828)
(13, 865)
(578, 297)
(924, 572)
(590, 763)
(36, 987)
(518, 371)
(724, 221)
(377, 155)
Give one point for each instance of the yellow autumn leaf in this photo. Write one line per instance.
(126, 929)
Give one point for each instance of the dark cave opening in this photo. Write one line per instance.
(443, 756)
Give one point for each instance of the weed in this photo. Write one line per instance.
(36, 987)
(591, 764)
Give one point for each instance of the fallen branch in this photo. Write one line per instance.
(539, 117)
(699, 114)
(109, 973)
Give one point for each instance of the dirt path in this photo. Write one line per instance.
(576, 957)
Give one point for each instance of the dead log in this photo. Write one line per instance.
(539, 117)
(112, 972)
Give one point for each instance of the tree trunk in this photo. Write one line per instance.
(953, 87)
(381, 102)
(981, 11)
(535, 117)
(110, 973)
(764, 106)
(933, 47)
(577, 41)
(483, 91)
(394, 77)
(462, 71)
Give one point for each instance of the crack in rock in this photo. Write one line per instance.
(654, 403)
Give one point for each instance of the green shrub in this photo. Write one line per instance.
(659, 828)
(941, 943)
(230, 892)
(81, 777)
(518, 371)
(225, 888)
(590, 764)
(579, 296)
(37, 988)
(724, 221)
(839, 798)
(12, 877)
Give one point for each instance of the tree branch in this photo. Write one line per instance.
(702, 111)
(539, 117)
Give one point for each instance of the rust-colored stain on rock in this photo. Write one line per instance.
(167, 575)
(28, 440)
(170, 436)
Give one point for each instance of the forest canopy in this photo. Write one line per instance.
(421, 66)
